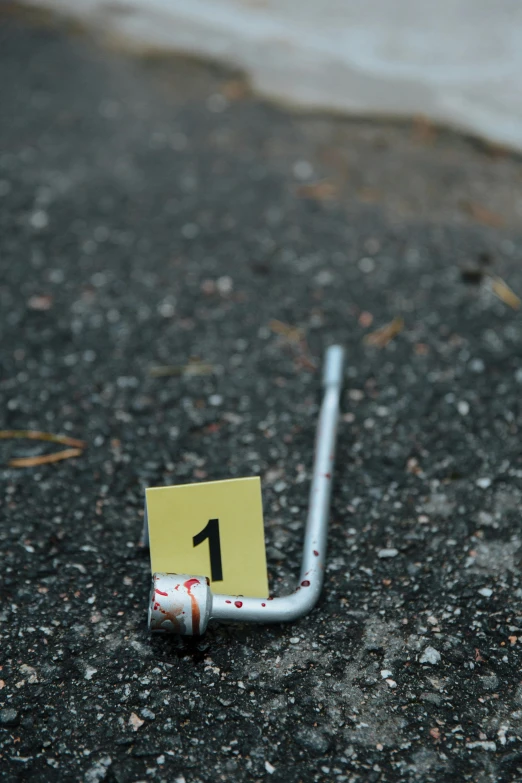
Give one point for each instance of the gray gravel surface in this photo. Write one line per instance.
(153, 211)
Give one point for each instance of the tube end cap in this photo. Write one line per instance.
(179, 603)
(334, 366)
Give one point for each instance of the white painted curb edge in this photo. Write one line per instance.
(457, 63)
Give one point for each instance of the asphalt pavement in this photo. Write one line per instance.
(175, 255)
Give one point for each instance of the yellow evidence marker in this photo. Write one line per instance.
(212, 529)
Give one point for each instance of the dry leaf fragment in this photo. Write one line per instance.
(198, 368)
(188, 370)
(381, 337)
(40, 302)
(369, 195)
(166, 371)
(292, 333)
(307, 363)
(505, 293)
(63, 440)
(484, 215)
(235, 89)
(45, 459)
(320, 191)
(297, 341)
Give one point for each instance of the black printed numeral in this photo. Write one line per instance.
(211, 531)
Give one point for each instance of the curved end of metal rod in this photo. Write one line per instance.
(184, 604)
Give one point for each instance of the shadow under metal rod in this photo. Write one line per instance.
(180, 603)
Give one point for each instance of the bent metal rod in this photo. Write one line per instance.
(181, 603)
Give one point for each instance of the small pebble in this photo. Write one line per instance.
(482, 744)
(269, 768)
(9, 717)
(224, 284)
(190, 230)
(303, 170)
(39, 219)
(98, 771)
(167, 308)
(476, 365)
(383, 553)
(483, 483)
(135, 722)
(487, 592)
(366, 265)
(314, 740)
(430, 655)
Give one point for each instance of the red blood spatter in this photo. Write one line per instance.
(194, 604)
(239, 604)
(305, 583)
(316, 553)
(160, 592)
(228, 602)
(270, 598)
(328, 475)
(263, 604)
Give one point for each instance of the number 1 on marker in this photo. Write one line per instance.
(211, 531)
(203, 529)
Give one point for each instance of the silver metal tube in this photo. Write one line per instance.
(168, 589)
(306, 594)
